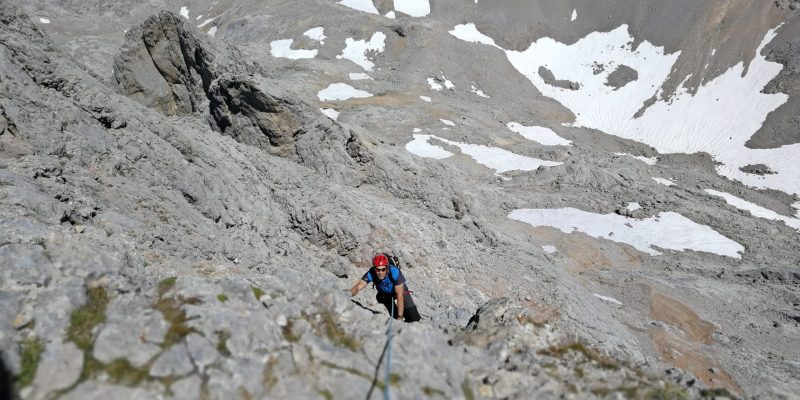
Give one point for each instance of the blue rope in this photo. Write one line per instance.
(388, 355)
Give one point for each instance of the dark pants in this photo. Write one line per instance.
(410, 313)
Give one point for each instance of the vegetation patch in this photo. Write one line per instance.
(430, 392)
(559, 351)
(222, 343)
(222, 297)
(121, 371)
(270, 380)
(30, 354)
(326, 394)
(257, 292)
(83, 320)
(336, 334)
(467, 390)
(172, 310)
(165, 285)
(288, 332)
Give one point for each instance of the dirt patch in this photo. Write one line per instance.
(585, 252)
(684, 347)
(389, 99)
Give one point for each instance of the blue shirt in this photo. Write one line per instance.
(386, 285)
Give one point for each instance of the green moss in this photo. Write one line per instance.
(222, 297)
(670, 392)
(590, 354)
(336, 334)
(83, 320)
(222, 343)
(121, 371)
(288, 332)
(430, 392)
(716, 392)
(172, 310)
(30, 354)
(326, 394)
(467, 390)
(165, 285)
(257, 292)
(270, 380)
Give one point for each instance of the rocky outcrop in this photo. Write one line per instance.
(166, 64)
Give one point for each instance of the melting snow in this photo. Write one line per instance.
(420, 146)
(213, 31)
(208, 21)
(358, 76)
(494, 158)
(330, 113)
(447, 122)
(608, 299)
(184, 12)
(667, 230)
(755, 209)
(282, 48)
(356, 50)
(44, 20)
(664, 181)
(718, 119)
(360, 5)
(341, 91)
(539, 134)
(478, 92)
(425, 98)
(646, 160)
(414, 8)
(468, 32)
(574, 15)
(549, 249)
(317, 34)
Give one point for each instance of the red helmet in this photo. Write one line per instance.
(380, 260)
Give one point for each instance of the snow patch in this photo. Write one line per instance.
(425, 98)
(208, 21)
(549, 249)
(360, 5)
(664, 181)
(213, 31)
(574, 15)
(646, 160)
(420, 147)
(633, 206)
(478, 92)
(469, 33)
(500, 160)
(330, 113)
(414, 8)
(44, 20)
(667, 230)
(358, 76)
(282, 49)
(356, 50)
(184, 12)
(447, 122)
(539, 134)
(434, 85)
(317, 34)
(755, 209)
(341, 91)
(608, 299)
(390, 15)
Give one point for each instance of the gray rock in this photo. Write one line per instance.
(132, 331)
(174, 361)
(60, 367)
(24, 265)
(201, 351)
(91, 390)
(187, 388)
(621, 76)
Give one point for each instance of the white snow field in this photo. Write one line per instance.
(539, 134)
(330, 113)
(414, 8)
(356, 50)
(317, 34)
(667, 230)
(360, 5)
(500, 160)
(664, 181)
(755, 209)
(718, 119)
(282, 49)
(341, 91)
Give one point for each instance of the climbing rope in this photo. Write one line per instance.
(388, 355)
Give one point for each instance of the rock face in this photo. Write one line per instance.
(165, 64)
(203, 245)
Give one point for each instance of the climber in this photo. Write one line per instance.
(390, 284)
